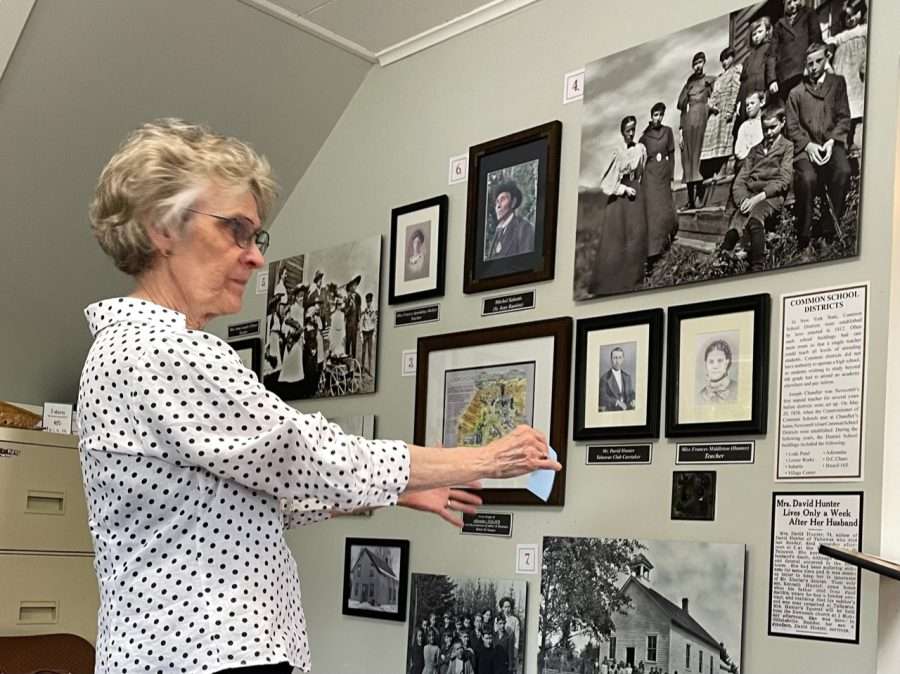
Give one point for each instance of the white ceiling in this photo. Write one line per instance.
(383, 31)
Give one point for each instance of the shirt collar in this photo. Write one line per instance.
(104, 313)
(506, 220)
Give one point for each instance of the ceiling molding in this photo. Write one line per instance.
(13, 16)
(307, 26)
(413, 45)
(461, 24)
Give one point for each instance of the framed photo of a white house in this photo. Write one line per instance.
(418, 250)
(718, 367)
(376, 578)
(618, 361)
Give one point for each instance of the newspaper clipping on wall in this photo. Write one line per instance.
(812, 596)
(823, 365)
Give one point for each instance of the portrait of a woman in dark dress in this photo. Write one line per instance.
(622, 251)
(657, 183)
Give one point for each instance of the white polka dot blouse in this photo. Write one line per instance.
(192, 471)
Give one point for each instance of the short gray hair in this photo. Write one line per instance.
(157, 175)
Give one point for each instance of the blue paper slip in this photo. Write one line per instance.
(540, 482)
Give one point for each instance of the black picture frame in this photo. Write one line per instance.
(652, 380)
(379, 582)
(249, 347)
(553, 404)
(512, 158)
(435, 256)
(755, 397)
(694, 495)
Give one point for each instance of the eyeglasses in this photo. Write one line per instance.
(242, 230)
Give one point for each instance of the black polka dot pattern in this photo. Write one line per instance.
(192, 471)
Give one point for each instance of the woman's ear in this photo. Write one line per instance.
(163, 239)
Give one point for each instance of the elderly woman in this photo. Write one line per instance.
(192, 469)
(622, 248)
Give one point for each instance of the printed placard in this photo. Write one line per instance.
(716, 452)
(262, 282)
(822, 389)
(58, 418)
(409, 360)
(527, 558)
(488, 524)
(428, 314)
(459, 169)
(604, 455)
(812, 596)
(243, 329)
(573, 86)
(502, 304)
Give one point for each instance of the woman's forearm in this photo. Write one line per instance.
(519, 452)
(432, 467)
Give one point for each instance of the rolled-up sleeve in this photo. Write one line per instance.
(193, 403)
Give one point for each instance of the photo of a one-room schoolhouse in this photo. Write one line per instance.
(658, 633)
(372, 579)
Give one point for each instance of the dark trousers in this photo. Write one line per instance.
(367, 363)
(809, 180)
(280, 668)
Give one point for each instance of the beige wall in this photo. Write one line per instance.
(391, 147)
(889, 595)
(83, 75)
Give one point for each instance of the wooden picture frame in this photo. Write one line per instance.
(523, 166)
(623, 405)
(376, 578)
(250, 352)
(498, 377)
(705, 340)
(418, 250)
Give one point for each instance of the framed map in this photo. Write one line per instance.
(482, 404)
(473, 387)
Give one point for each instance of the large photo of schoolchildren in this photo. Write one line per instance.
(466, 625)
(730, 147)
(322, 322)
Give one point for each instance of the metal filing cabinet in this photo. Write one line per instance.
(47, 581)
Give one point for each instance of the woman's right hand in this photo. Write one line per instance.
(522, 451)
(630, 192)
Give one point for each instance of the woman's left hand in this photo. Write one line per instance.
(443, 501)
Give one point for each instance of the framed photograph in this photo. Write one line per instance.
(718, 367)
(250, 352)
(462, 616)
(418, 250)
(694, 495)
(671, 148)
(511, 215)
(322, 331)
(650, 601)
(376, 578)
(473, 387)
(618, 365)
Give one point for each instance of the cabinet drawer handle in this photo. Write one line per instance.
(45, 502)
(38, 612)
